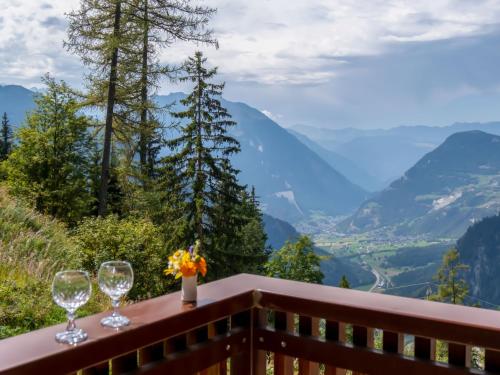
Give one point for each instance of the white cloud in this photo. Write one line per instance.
(264, 41)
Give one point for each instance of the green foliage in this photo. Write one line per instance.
(33, 247)
(137, 241)
(452, 286)
(5, 138)
(50, 166)
(200, 191)
(296, 261)
(344, 283)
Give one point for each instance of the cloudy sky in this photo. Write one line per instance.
(326, 63)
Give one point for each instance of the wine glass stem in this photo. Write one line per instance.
(116, 305)
(71, 321)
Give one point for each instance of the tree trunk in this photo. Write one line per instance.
(108, 130)
(144, 126)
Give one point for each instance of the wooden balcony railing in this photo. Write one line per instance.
(256, 325)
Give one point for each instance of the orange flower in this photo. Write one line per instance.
(202, 266)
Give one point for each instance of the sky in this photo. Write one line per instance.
(324, 63)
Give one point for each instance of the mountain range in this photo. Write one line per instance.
(385, 154)
(447, 190)
(292, 181)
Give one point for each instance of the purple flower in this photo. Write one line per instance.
(191, 249)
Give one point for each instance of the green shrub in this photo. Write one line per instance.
(137, 241)
(33, 247)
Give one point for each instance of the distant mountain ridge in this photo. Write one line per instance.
(16, 101)
(278, 232)
(387, 153)
(448, 189)
(345, 166)
(291, 180)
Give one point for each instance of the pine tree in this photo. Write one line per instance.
(50, 166)
(5, 138)
(344, 283)
(452, 286)
(199, 164)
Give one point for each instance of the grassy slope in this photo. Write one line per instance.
(33, 247)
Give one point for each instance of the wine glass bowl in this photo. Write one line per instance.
(116, 278)
(71, 290)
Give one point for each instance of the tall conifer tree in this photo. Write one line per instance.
(5, 137)
(162, 22)
(205, 197)
(100, 33)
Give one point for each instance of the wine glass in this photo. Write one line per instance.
(70, 290)
(115, 279)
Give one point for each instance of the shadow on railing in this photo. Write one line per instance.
(256, 325)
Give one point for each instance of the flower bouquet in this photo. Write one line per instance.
(187, 264)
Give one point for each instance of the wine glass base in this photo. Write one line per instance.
(71, 337)
(115, 321)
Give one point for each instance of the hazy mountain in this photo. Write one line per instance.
(447, 190)
(291, 180)
(15, 101)
(345, 166)
(480, 249)
(387, 153)
(278, 231)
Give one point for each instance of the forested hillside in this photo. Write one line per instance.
(480, 250)
(447, 190)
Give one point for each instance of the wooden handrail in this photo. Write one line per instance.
(236, 302)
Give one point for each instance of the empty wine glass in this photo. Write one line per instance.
(115, 279)
(70, 290)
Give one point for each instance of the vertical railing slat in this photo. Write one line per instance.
(362, 336)
(425, 348)
(100, 369)
(492, 360)
(151, 353)
(242, 363)
(393, 342)
(308, 327)
(283, 364)
(124, 363)
(334, 331)
(459, 355)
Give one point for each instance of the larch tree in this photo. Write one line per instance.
(452, 287)
(100, 33)
(161, 23)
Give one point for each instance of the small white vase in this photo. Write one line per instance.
(189, 289)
